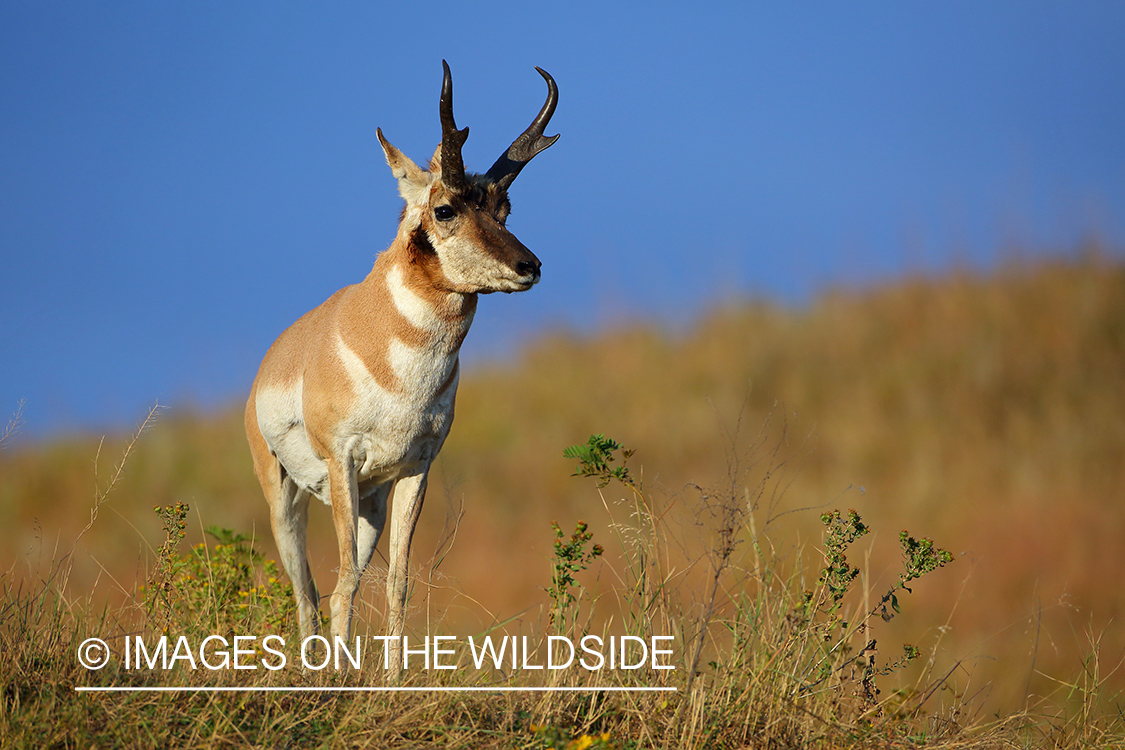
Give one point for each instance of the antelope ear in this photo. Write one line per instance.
(413, 182)
(435, 161)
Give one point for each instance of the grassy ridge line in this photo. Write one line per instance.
(983, 410)
(782, 667)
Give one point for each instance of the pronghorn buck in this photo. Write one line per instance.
(353, 402)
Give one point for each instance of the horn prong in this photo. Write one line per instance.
(530, 142)
(452, 139)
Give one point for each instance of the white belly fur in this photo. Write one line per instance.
(281, 420)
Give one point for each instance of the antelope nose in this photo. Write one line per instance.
(528, 267)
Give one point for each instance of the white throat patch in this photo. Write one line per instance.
(416, 310)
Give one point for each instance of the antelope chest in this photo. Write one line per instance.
(376, 392)
(396, 428)
(391, 424)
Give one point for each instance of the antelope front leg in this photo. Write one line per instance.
(345, 517)
(406, 506)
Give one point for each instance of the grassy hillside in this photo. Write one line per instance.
(984, 411)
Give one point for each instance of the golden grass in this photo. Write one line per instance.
(985, 412)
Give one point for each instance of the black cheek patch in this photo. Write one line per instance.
(420, 245)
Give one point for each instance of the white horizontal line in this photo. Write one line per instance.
(477, 689)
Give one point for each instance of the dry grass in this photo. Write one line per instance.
(984, 412)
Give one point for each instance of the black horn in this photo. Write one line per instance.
(530, 142)
(452, 139)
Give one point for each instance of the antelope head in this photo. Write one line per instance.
(454, 221)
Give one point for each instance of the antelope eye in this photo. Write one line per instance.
(444, 213)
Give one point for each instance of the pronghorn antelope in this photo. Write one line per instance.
(353, 402)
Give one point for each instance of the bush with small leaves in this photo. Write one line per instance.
(571, 556)
(229, 587)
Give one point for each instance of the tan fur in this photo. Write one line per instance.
(353, 401)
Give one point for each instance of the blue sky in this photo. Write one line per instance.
(180, 181)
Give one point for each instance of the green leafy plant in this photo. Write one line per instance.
(605, 460)
(838, 575)
(160, 590)
(571, 556)
(229, 586)
(595, 458)
(822, 611)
